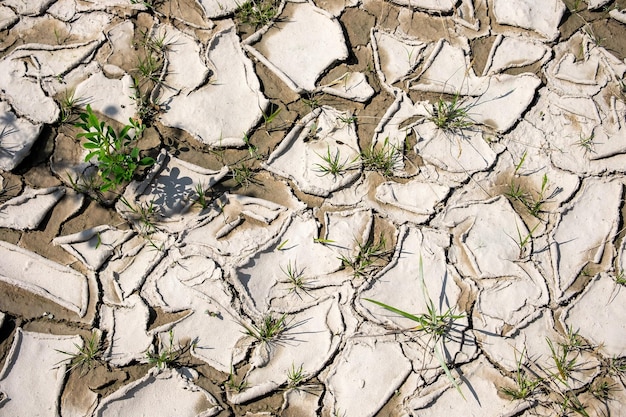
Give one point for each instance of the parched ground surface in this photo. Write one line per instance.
(461, 162)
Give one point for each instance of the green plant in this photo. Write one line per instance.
(381, 159)
(201, 196)
(294, 278)
(523, 241)
(149, 67)
(166, 355)
(616, 366)
(146, 214)
(68, 106)
(242, 175)
(333, 164)
(322, 241)
(586, 143)
(563, 361)
(269, 118)
(573, 341)
(575, 7)
(518, 166)
(525, 386)
(117, 160)
(602, 390)
(532, 204)
(346, 120)
(149, 4)
(253, 150)
(369, 256)
(597, 40)
(572, 403)
(87, 356)
(269, 328)
(232, 385)
(257, 13)
(451, 115)
(295, 377)
(313, 100)
(433, 323)
(620, 278)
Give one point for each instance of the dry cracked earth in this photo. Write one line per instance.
(345, 208)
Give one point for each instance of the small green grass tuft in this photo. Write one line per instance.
(269, 328)
(433, 323)
(146, 214)
(563, 361)
(257, 12)
(381, 159)
(586, 143)
(525, 386)
(370, 256)
(243, 175)
(451, 115)
(333, 164)
(295, 377)
(294, 278)
(233, 385)
(86, 357)
(166, 355)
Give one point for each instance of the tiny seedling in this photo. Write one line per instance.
(381, 159)
(85, 357)
(282, 245)
(294, 277)
(517, 193)
(333, 164)
(562, 360)
(525, 386)
(117, 160)
(433, 323)
(346, 120)
(520, 163)
(603, 390)
(253, 150)
(313, 101)
(146, 214)
(242, 175)
(257, 12)
(87, 184)
(269, 118)
(167, 354)
(523, 241)
(149, 67)
(68, 106)
(201, 196)
(368, 258)
(597, 40)
(620, 277)
(323, 241)
(616, 366)
(533, 205)
(232, 385)
(451, 115)
(269, 328)
(572, 403)
(295, 377)
(586, 143)
(573, 341)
